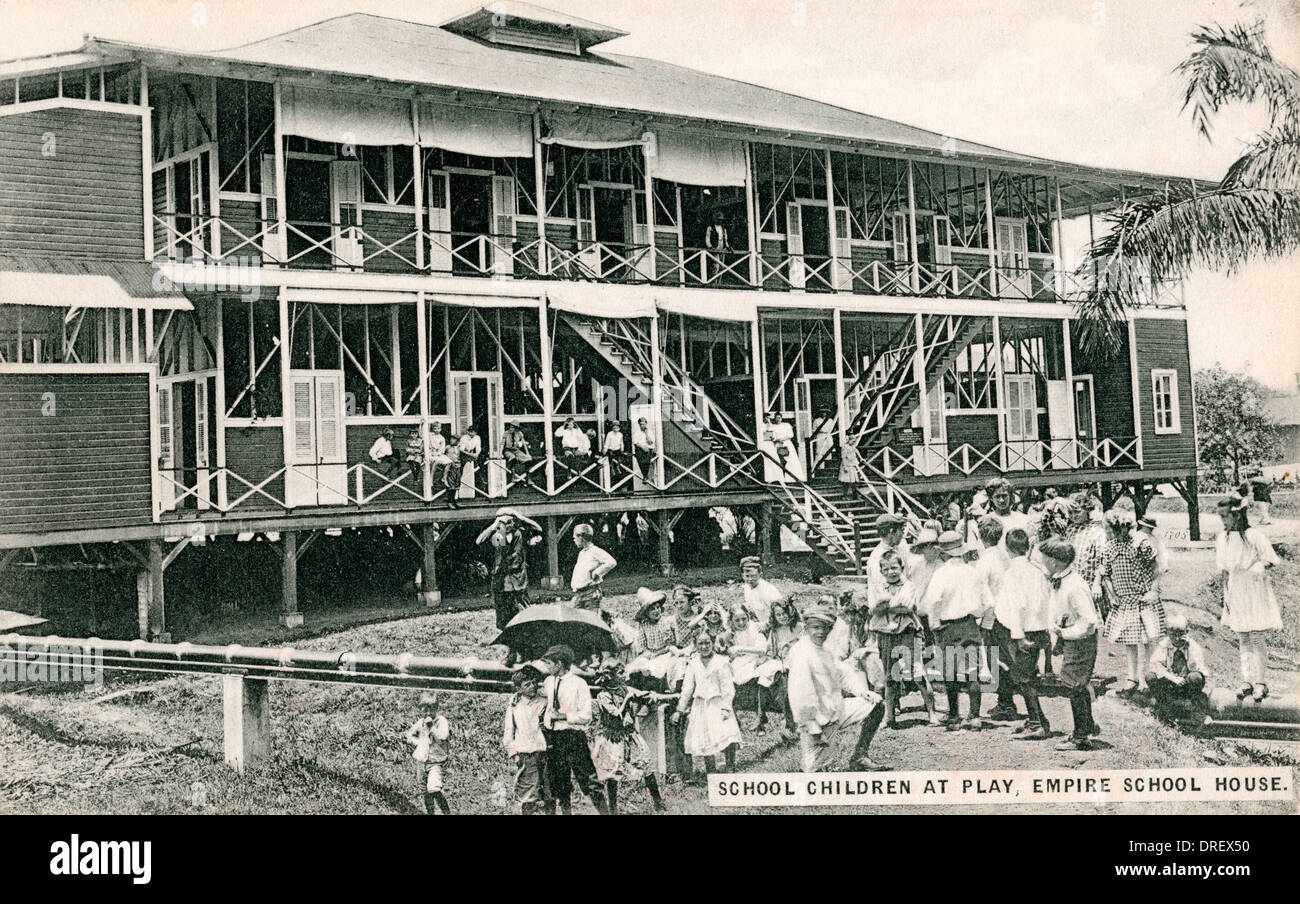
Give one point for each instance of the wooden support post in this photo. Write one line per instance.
(552, 579)
(548, 392)
(430, 595)
(665, 545)
(657, 391)
(146, 142)
(751, 218)
(1193, 507)
(417, 161)
(765, 533)
(155, 625)
(911, 228)
(246, 720)
(539, 197)
(290, 617)
(841, 416)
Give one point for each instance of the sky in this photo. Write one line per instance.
(1088, 81)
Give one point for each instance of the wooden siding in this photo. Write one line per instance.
(241, 221)
(384, 228)
(84, 200)
(255, 453)
(1112, 387)
(1162, 345)
(84, 466)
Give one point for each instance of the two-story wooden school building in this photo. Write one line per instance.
(224, 275)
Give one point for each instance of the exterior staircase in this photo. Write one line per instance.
(836, 520)
(889, 390)
(625, 346)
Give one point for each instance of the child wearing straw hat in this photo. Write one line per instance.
(653, 647)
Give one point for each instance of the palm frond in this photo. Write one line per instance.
(1160, 239)
(1236, 65)
(1271, 161)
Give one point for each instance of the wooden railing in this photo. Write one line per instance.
(322, 245)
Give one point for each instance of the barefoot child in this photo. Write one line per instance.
(524, 742)
(1074, 621)
(707, 691)
(428, 736)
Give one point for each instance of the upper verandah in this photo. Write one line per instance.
(640, 171)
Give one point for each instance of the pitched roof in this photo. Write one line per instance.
(134, 278)
(361, 44)
(365, 46)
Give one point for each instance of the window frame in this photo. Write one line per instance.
(1174, 410)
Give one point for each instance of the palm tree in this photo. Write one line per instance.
(1252, 214)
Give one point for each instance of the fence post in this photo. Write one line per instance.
(246, 720)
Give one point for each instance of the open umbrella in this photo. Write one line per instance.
(537, 627)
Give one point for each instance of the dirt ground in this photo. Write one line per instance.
(155, 746)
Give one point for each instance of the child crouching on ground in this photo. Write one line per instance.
(428, 736)
(1074, 621)
(1178, 671)
(524, 741)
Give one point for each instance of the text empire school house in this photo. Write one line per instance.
(434, 219)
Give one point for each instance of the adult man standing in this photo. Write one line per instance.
(817, 700)
(890, 528)
(510, 561)
(643, 448)
(760, 595)
(590, 569)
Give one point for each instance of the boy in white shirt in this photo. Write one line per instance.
(955, 603)
(1021, 631)
(1074, 621)
(428, 736)
(566, 720)
(524, 742)
(1178, 671)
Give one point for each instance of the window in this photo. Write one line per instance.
(386, 175)
(1164, 392)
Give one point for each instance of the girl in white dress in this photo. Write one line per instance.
(707, 690)
(749, 651)
(1243, 555)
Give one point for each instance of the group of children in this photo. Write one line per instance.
(959, 607)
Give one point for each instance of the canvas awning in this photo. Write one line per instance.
(596, 300)
(79, 290)
(694, 160)
(594, 132)
(347, 118)
(709, 304)
(476, 131)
